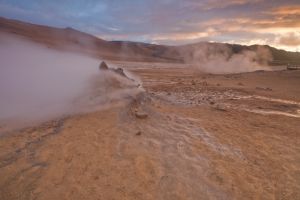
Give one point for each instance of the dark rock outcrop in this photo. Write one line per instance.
(103, 66)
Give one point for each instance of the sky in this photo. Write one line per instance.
(171, 22)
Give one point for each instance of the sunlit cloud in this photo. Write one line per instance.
(216, 4)
(291, 39)
(286, 10)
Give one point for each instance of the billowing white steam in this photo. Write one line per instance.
(219, 58)
(37, 83)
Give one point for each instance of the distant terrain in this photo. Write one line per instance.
(76, 41)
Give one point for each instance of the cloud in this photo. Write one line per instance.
(217, 4)
(292, 39)
(286, 10)
(166, 21)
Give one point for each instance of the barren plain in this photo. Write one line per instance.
(186, 135)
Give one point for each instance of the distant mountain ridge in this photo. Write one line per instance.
(77, 41)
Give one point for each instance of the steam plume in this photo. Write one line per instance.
(219, 58)
(37, 83)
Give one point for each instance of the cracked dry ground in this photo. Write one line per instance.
(205, 137)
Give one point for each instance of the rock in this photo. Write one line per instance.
(141, 115)
(138, 133)
(259, 71)
(220, 108)
(120, 71)
(240, 84)
(204, 83)
(263, 88)
(193, 82)
(103, 66)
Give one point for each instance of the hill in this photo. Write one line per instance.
(77, 41)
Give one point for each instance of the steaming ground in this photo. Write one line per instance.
(187, 135)
(218, 58)
(38, 84)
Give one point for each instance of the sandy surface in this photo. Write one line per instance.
(204, 137)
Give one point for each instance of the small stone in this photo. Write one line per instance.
(141, 115)
(263, 88)
(138, 133)
(204, 83)
(219, 108)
